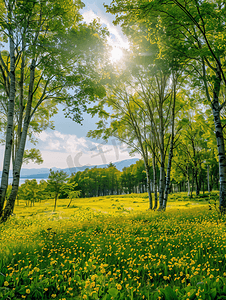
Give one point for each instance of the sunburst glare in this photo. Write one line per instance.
(116, 54)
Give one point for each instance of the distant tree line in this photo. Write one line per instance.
(97, 182)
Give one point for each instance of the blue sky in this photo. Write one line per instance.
(67, 145)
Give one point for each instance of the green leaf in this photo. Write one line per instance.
(169, 293)
(113, 292)
(213, 293)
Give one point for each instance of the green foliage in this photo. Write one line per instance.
(53, 57)
(32, 155)
(30, 191)
(109, 180)
(56, 181)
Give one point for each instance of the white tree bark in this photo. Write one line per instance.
(147, 168)
(154, 180)
(20, 152)
(221, 154)
(9, 132)
(167, 187)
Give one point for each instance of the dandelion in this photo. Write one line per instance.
(93, 277)
(6, 283)
(53, 295)
(28, 291)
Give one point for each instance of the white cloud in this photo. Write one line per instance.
(67, 150)
(42, 136)
(63, 142)
(60, 135)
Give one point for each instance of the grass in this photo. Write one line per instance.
(113, 248)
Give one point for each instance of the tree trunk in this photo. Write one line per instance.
(148, 186)
(162, 170)
(55, 202)
(188, 181)
(208, 178)
(20, 153)
(196, 183)
(192, 184)
(203, 187)
(162, 157)
(9, 131)
(21, 98)
(216, 108)
(189, 190)
(161, 185)
(221, 153)
(167, 186)
(155, 180)
(69, 203)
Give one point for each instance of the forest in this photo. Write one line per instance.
(165, 100)
(156, 229)
(95, 182)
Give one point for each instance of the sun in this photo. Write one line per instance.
(116, 54)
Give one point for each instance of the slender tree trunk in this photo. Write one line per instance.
(215, 105)
(148, 186)
(162, 170)
(9, 131)
(155, 180)
(196, 183)
(208, 178)
(55, 202)
(188, 187)
(203, 187)
(221, 153)
(162, 158)
(192, 184)
(20, 153)
(21, 98)
(161, 185)
(69, 203)
(167, 186)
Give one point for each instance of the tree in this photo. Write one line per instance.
(68, 189)
(72, 195)
(28, 191)
(195, 32)
(143, 100)
(128, 180)
(56, 182)
(50, 60)
(127, 125)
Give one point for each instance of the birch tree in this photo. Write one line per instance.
(195, 31)
(48, 50)
(143, 103)
(128, 124)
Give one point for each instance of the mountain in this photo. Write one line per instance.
(43, 173)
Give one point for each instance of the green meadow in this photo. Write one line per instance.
(112, 247)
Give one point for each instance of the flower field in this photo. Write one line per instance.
(113, 248)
